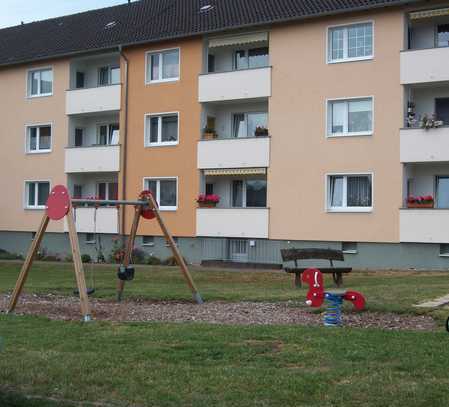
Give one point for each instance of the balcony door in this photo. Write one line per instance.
(442, 190)
(442, 109)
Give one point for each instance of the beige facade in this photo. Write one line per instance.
(302, 155)
(17, 166)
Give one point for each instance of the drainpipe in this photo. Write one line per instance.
(124, 151)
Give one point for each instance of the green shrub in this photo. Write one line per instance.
(154, 261)
(138, 256)
(171, 261)
(5, 255)
(85, 258)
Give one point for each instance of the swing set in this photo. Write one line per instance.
(60, 205)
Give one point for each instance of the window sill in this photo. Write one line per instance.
(168, 208)
(171, 144)
(43, 95)
(350, 210)
(162, 81)
(148, 244)
(91, 242)
(340, 61)
(35, 208)
(341, 135)
(349, 251)
(39, 152)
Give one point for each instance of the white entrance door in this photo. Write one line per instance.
(239, 250)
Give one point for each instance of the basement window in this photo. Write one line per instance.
(349, 247)
(444, 250)
(148, 241)
(90, 238)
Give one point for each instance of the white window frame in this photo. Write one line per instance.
(108, 125)
(110, 68)
(148, 80)
(147, 133)
(346, 133)
(108, 192)
(244, 190)
(34, 181)
(345, 58)
(29, 86)
(344, 208)
(28, 128)
(148, 244)
(158, 191)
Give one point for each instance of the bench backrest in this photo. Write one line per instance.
(308, 254)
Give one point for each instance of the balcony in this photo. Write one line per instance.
(235, 85)
(93, 100)
(92, 159)
(251, 152)
(424, 225)
(420, 145)
(106, 220)
(424, 65)
(232, 222)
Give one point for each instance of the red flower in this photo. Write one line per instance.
(212, 198)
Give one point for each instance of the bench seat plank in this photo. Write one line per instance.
(325, 270)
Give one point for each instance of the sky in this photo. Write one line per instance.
(13, 12)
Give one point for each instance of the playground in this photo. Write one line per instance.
(195, 336)
(253, 341)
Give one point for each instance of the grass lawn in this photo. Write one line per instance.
(155, 364)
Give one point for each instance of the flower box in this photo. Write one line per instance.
(412, 205)
(420, 202)
(207, 204)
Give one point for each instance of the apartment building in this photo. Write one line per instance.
(314, 124)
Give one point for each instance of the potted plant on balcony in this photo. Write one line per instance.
(261, 131)
(209, 133)
(430, 122)
(420, 201)
(208, 201)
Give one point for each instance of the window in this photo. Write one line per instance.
(163, 66)
(40, 82)
(444, 250)
(77, 191)
(251, 58)
(238, 250)
(350, 193)
(246, 124)
(39, 139)
(161, 129)
(90, 238)
(80, 80)
(175, 239)
(442, 192)
(350, 43)
(107, 190)
(351, 117)
(349, 247)
(443, 35)
(249, 193)
(108, 75)
(209, 188)
(165, 190)
(36, 194)
(147, 240)
(108, 134)
(79, 136)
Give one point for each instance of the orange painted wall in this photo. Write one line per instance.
(17, 111)
(170, 161)
(301, 155)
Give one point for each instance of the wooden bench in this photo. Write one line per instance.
(315, 254)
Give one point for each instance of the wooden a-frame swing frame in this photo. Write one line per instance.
(148, 203)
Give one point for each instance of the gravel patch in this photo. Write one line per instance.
(214, 312)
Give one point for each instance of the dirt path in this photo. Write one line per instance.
(215, 312)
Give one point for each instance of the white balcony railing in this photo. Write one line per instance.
(234, 153)
(93, 100)
(92, 159)
(424, 65)
(106, 220)
(235, 85)
(235, 222)
(424, 225)
(419, 145)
